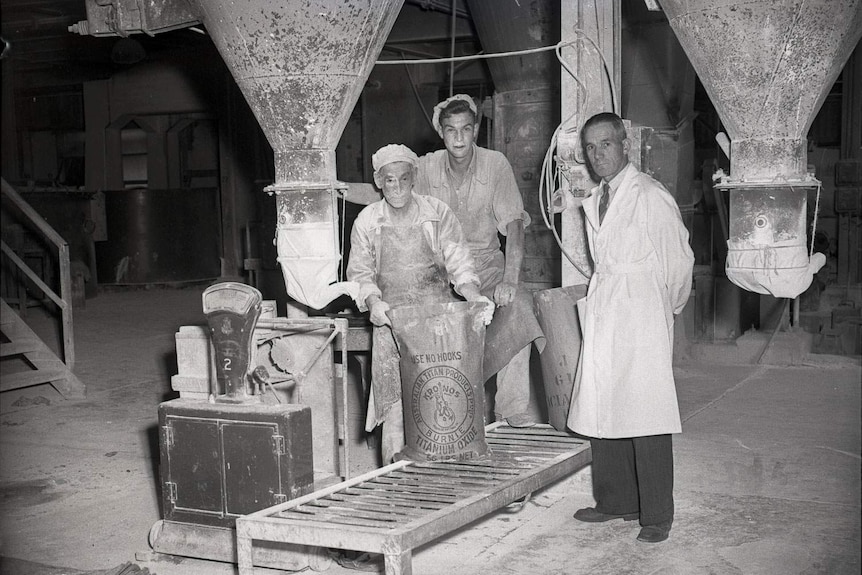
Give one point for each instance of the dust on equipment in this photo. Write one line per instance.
(302, 99)
(767, 67)
(249, 445)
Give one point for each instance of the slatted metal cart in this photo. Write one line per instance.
(401, 506)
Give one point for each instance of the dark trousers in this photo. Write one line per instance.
(634, 475)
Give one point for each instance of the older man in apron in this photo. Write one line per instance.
(405, 250)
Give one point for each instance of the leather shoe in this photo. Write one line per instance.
(590, 515)
(655, 533)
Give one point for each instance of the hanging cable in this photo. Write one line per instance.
(814, 219)
(452, 53)
(343, 239)
(550, 178)
(416, 94)
(605, 67)
(474, 56)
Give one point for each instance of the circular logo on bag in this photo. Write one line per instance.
(444, 408)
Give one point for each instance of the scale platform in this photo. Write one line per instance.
(396, 508)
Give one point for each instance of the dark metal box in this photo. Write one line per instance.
(222, 460)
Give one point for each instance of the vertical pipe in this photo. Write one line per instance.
(452, 53)
(363, 135)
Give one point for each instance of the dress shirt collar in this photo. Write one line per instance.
(615, 182)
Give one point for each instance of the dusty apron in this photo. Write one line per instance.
(514, 326)
(408, 273)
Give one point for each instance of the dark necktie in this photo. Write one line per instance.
(603, 201)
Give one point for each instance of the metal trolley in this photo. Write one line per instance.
(396, 508)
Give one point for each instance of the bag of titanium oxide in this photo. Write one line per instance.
(441, 347)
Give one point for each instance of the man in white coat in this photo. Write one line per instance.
(625, 396)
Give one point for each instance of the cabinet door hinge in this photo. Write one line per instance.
(171, 490)
(168, 433)
(278, 444)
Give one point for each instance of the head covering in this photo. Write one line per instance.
(393, 153)
(435, 121)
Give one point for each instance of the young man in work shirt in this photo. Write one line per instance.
(480, 187)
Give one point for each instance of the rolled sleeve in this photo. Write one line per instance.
(507, 202)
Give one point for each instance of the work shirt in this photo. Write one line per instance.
(441, 229)
(643, 273)
(487, 201)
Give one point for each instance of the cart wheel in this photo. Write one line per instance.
(319, 559)
(154, 533)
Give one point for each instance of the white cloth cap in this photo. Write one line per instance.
(393, 153)
(435, 120)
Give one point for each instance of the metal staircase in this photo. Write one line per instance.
(26, 359)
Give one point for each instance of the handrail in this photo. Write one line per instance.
(64, 300)
(33, 215)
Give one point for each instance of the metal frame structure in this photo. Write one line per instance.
(401, 506)
(338, 339)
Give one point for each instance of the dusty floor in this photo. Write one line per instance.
(767, 470)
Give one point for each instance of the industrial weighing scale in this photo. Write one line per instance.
(268, 433)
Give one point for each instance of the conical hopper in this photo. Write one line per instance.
(301, 65)
(767, 66)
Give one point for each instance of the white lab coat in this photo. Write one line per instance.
(642, 278)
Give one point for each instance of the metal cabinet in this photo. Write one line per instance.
(220, 461)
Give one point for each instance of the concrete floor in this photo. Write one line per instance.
(767, 470)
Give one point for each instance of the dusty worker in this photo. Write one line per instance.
(479, 185)
(406, 249)
(624, 397)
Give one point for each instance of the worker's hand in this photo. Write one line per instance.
(471, 294)
(504, 293)
(488, 311)
(378, 313)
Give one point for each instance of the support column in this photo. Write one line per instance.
(588, 22)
